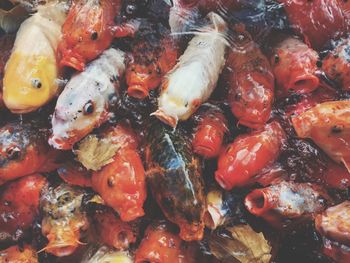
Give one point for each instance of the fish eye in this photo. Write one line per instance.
(88, 108)
(36, 83)
(130, 9)
(13, 152)
(94, 35)
(158, 70)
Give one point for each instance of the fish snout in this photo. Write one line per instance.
(60, 143)
(138, 91)
(73, 60)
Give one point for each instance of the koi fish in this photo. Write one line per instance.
(327, 124)
(113, 232)
(223, 207)
(104, 254)
(333, 225)
(248, 155)
(210, 130)
(286, 200)
(154, 53)
(193, 79)
(250, 80)
(24, 150)
(88, 30)
(336, 64)
(31, 73)
(19, 205)
(294, 66)
(63, 219)
(160, 244)
(174, 176)
(317, 21)
(87, 99)
(17, 254)
(122, 183)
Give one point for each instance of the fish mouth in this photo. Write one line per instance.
(60, 143)
(257, 202)
(19, 109)
(304, 83)
(74, 61)
(167, 119)
(138, 91)
(205, 150)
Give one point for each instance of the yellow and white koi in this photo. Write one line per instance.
(31, 73)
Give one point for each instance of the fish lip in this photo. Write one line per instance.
(20, 109)
(206, 150)
(308, 83)
(138, 91)
(60, 143)
(74, 61)
(167, 119)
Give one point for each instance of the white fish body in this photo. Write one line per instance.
(85, 102)
(193, 79)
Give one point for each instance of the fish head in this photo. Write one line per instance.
(142, 78)
(21, 148)
(172, 107)
(78, 111)
(30, 81)
(87, 31)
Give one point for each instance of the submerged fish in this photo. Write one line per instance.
(328, 125)
(193, 79)
(31, 73)
(295, 67)
(87, 99)
(24, 150)
(104, 254)
(63, 219)
(161, 244)
(154, 53)
(174, 176)
(285, 201)
(88, 30)
(17, 254)
(122, 183)
(19, 205)
(250, 80)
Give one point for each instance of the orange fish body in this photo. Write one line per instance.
(19, 204)
(121, 183)
(152, 59)
(209, 133)
(88, 30)
(294, 66)
(113, 232)
(327, 124)
(160, 244)
(23, 151)
(317, 21)
(250, 80)
(17, 254)
(248, 155)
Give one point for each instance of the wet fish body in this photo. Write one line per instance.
(193, 79)
(86, 101)
(174, 175)
(24, 150)
(31, 73)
